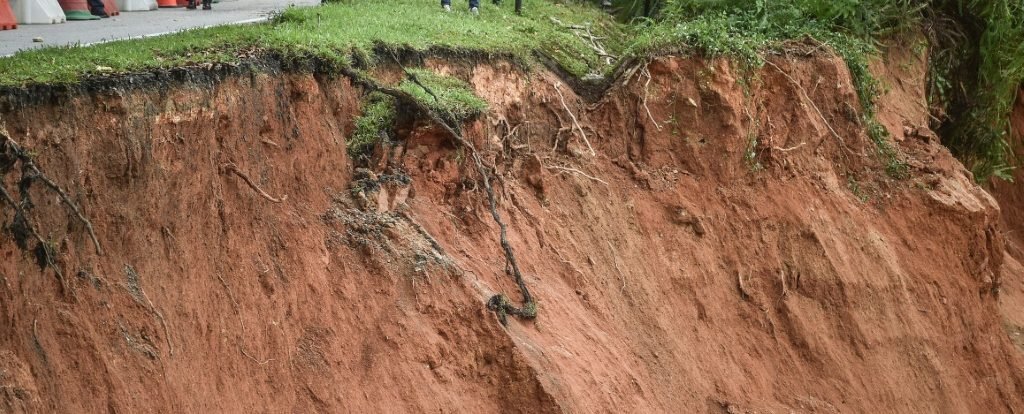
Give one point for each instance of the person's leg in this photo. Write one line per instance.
(207, 4)
(446, 3)
(96, 8)
(474, 4)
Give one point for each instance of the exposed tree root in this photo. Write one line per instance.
(807, 97)
(499, 303)
(647, 87)
(575, 171)
(23, 231)
(232, 168)
(163, 322)
(572, 116)
(10, 154)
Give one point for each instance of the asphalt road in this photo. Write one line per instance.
(140, 24)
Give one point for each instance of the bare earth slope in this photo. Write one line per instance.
(1011, 198)
(732, 244)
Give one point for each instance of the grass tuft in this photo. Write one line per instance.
(336, 32)
(447, 95)
(375, 124)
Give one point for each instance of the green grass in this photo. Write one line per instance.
(976, 71)
(977, 55)
(977, 65)
(375, 123)
(334, 32)
(745, 30)
(455, 101)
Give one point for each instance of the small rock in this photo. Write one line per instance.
(104, 69)
(37, 40)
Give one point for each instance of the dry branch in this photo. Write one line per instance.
(584, 32)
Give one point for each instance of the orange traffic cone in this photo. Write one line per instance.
(76, 10)
(110, 7)
(7, 21)
(169, 3)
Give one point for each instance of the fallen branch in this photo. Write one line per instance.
(572, 116)
(584, 32)
(232, 168)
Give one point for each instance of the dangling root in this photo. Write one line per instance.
(15, 153)
(498, 303)
(23, 231)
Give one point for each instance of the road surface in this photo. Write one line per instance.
(139, 24)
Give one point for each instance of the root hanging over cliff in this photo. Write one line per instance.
(499, 303)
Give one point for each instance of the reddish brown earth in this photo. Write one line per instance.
(732, 245)
(1011, 199)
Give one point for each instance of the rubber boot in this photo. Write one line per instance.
(191, 5)
(207, 4)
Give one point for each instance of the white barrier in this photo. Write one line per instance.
(136, 5)
(38, 11)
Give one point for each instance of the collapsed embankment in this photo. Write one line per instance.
(732, 244)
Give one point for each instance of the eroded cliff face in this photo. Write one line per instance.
(731, 244)
(1011, 198)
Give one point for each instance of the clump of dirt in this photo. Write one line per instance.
(699, 239)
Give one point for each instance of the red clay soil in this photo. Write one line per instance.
(731, 245)
(1011, 199)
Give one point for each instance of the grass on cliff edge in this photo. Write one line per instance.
(332, 32)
